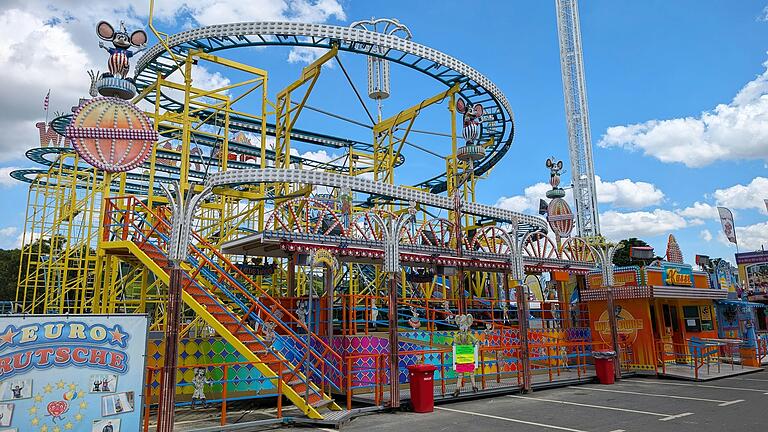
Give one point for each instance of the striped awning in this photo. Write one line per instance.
(677, 292)
(639, 292)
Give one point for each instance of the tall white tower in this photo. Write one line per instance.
(577, 117)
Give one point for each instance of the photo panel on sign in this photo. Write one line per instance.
(6, 414)
(106, 425)
(16, 389)
(118, 403)
(103, 383)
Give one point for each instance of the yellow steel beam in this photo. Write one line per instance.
(407, 114)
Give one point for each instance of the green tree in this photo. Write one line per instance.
(9, 273)
(621, 258)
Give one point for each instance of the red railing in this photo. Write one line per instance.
(223, 396)
(762, 347)
(557, 356)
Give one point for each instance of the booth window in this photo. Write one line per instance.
(760, 315)
(692, 319)
(654, 324)
(667, 315)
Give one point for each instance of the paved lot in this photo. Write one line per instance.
(634, 404)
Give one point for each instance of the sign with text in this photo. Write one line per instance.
(625, 277)
(677, 275)
(81, 373)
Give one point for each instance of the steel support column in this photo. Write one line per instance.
(167, 405)
(614, 331)
(522, 319)
(394, 355)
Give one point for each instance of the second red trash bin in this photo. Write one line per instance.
(604, 366)
(421, 380)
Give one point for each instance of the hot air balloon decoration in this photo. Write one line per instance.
(111, 134)
(560, 217)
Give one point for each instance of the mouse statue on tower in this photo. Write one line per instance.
(116, 83)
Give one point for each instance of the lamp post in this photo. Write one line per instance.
(183, 206)
(392, 228)
(604, 252)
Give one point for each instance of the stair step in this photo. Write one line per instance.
(321, 403)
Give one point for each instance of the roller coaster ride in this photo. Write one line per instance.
(98, 242)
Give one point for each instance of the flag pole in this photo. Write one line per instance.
(46, 103)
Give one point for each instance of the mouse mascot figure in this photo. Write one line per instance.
(119, 54)
(465, 347)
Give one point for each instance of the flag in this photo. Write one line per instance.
(47, 99)
(726, 218)
(766, 204)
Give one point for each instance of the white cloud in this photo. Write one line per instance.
(5, 177)
(737, 130)
(748, 196)
(700, 210)
(529, 202)
(10, 238)
(750, 237)
(617, 226)
(308, 55)
(628, 194)
(50, 44)
(763, 15)
(35, 57)
(322, 156)
(208, 12)
(624, 193)
(706, 235)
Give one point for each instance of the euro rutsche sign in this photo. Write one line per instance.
(63, 343)
(72, 373)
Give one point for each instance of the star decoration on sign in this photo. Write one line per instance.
(60, 384)
(48, 388)
(35, 421)
(7, 337)
(83, 405)
(117, 336)
(33, 410)
(38, 398)
(56, 429)
(68, 426)
(72, 387)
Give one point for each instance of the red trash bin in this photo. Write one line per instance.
(421, 380)
(604, 366)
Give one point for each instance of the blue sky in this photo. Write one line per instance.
(671, 138)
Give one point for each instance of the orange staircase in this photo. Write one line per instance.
(234, 305)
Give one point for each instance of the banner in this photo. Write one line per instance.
(81, 373)
(766, 204)
(726, 218)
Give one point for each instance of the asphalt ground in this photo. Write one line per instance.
(633, 404)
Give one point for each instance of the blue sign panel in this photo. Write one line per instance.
(71, 372)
